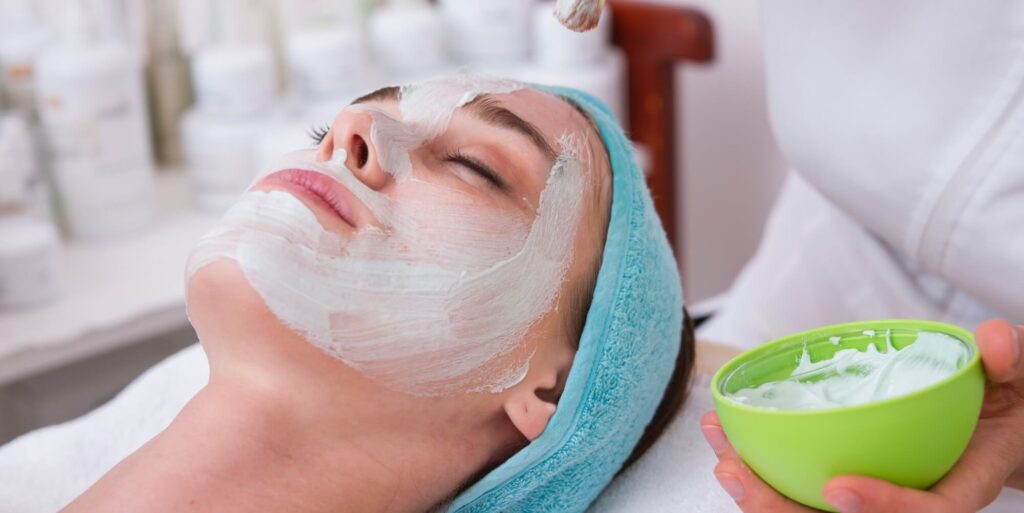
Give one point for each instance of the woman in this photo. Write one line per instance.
(463, 289)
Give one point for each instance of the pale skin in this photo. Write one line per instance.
(283, 427)
(994, 457)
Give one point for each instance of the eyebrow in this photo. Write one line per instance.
(382, 94)
(485, 108)
(488, 110)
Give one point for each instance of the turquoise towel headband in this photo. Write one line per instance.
(626, 355)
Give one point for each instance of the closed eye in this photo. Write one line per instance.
(318, 132)
(477, 167)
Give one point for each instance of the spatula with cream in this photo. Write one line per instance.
(579, 15)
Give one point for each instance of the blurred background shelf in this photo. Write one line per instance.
(113, 294)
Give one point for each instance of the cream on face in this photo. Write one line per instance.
(853, 377)
(440, 296)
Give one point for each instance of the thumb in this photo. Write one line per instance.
(1001, 346)
(859, 494)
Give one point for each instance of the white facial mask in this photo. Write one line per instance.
(441, 298)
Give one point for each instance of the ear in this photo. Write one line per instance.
(531, 402)
(528, 412)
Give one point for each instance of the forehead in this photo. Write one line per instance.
(552, 115)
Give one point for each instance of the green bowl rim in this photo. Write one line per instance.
(949, 329)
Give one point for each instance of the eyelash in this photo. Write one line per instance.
(318, 132)
(476, 166)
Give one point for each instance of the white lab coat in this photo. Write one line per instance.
(903, 122)
(904, 125)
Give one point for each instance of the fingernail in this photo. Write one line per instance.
(844, 500)
(731, 485)
(716, 438)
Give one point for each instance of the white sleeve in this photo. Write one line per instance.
(909, 117)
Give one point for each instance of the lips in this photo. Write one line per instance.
(317, 188)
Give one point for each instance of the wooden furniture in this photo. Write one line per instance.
(655, 38)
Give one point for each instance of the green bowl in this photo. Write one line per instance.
(911, 440)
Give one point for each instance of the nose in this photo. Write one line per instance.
(351, 132)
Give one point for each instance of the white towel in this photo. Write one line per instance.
(676, 474)
(44, 470)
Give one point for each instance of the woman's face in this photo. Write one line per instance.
(427, 241)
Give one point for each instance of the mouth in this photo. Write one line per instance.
(317, 188)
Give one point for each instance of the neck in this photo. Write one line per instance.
(241, 445)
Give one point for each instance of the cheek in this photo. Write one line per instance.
(457, 228)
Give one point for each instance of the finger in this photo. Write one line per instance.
(713, 433)
(995, 450)
(1001, 348)
(858, 494)
(751, 494)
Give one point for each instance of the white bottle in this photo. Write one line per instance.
(489, 34)
(29, 244)
(407, 37)
(23, 37)
(93, 115)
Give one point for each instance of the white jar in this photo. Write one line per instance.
(326, 62)
(93, 115)
(555, 46)
(488, 33)
(28, 261)
(234, 80)
(220, 156)
(604, 79)
(408, 39)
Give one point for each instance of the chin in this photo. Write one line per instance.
(220, 302)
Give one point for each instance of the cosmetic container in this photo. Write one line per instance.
(488, 34)
(235, 90)
(555, 46)
(326, 62)
(21, 43)
(234, 83)
(586, 61)
(407, 37)
(29, 244)
(219, 155)
(89, 97)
